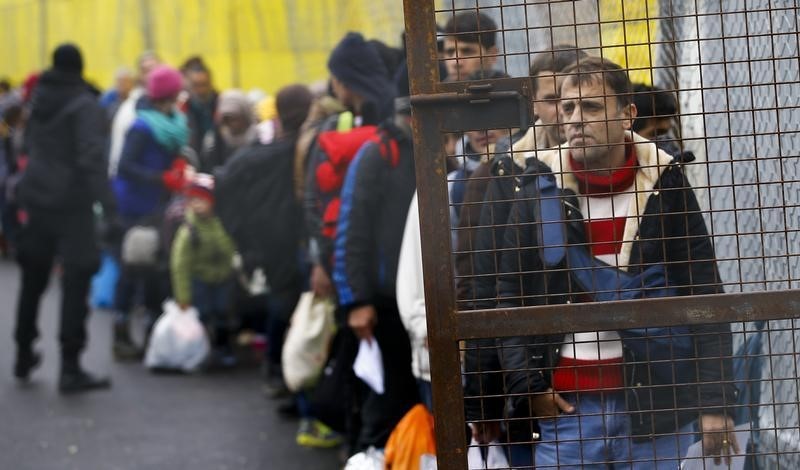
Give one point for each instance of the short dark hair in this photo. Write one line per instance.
(652, 102)
(5, 85)
(472, 26)
(555, 60)
(590, 69)
(194, 63)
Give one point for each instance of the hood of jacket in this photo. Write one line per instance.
(54, 91)
(536, 138)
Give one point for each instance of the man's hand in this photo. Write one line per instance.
(719, 440)
(549, 404)
(321, 282)
(484, 433)
(362, 321)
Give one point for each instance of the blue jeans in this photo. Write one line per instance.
(597, 436)
(211, 302)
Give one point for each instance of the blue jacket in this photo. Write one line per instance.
(138, 185)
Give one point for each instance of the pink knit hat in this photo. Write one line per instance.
(164, 82)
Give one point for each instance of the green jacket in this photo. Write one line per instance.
(202, 251)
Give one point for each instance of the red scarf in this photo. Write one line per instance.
(591, 183)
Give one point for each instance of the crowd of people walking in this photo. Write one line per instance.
(236, 203)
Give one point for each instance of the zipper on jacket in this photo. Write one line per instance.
(635, 386)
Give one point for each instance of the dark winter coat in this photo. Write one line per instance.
(667, 229)
(66, 137)
(256, 203)
(482, 226)
(138, 185)
(377, 192)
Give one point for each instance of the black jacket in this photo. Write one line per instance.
(375, 200)
(480, 244)
(66, 137)
(256, 203)
(672, 232)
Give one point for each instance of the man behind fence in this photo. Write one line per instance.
(602, 398)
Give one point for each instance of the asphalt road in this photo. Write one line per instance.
(214, 421)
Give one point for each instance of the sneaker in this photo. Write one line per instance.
(315, 434)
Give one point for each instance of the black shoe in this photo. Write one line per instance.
(27, 361)
(81, 381)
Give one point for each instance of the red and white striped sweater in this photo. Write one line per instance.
(593, 360)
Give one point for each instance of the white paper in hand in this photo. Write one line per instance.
(368, 365)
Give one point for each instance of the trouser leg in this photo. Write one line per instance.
(74, 309)
(35, 255)
(35, 275)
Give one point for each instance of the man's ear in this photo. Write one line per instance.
(628, 114)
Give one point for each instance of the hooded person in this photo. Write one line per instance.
(360, 81)
(65, 176)
(234, 129)
(375, 198)
(150, 170)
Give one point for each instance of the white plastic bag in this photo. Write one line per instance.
(495, 456)
(178, 340)
(370, 459)
(308, 341)
(368, 365)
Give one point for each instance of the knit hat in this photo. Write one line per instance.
(292, 103)
(164, 82)
(234, 102)
(358, 66)
(201, 186)
(67, 58)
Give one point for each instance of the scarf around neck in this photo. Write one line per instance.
(170, 130)
(617, 181)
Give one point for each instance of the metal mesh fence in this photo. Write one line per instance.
(651, 305)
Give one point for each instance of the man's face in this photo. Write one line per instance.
(546, 103)
(462, 59)
(200, 85)
(594, 124)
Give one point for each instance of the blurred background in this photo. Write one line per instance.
(246, 43)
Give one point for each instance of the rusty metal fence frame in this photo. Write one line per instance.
(440, 107)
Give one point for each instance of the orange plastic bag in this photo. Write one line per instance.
(411, 438)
